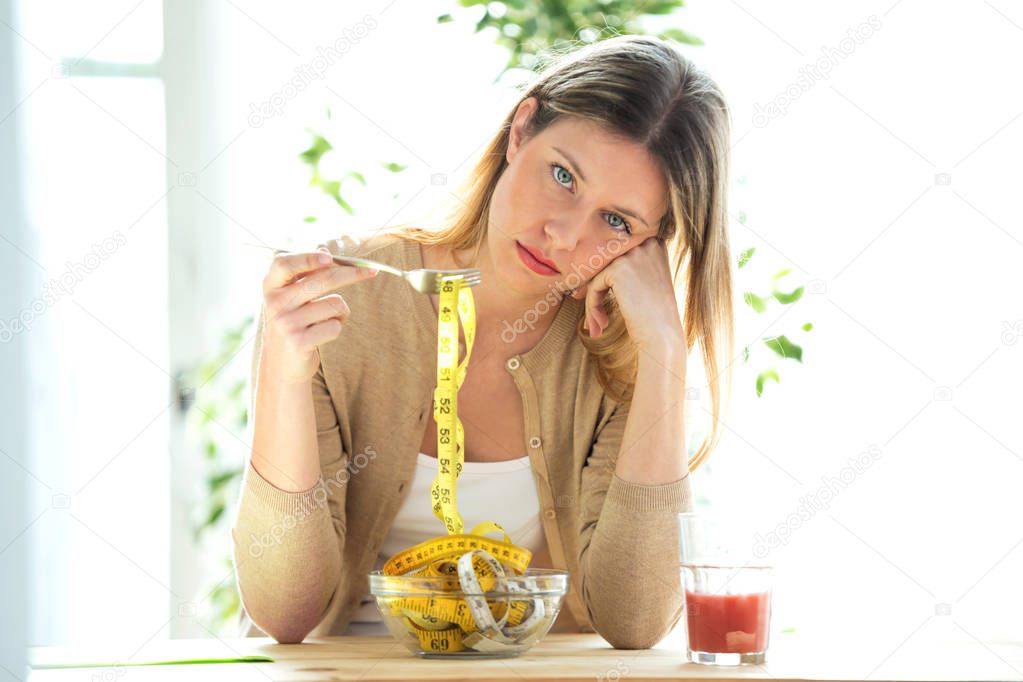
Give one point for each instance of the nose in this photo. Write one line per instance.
(565, 233)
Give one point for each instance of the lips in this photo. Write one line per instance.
(538, 255)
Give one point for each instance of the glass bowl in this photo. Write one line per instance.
(435, 618)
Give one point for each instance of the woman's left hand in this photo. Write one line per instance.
(641, 279)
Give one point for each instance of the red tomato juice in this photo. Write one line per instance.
(728, 623)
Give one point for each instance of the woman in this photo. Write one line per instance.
(605, 183)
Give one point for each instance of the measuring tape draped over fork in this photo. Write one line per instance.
(463, 563)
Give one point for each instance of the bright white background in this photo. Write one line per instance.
(890, 189)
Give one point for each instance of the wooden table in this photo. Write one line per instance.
(558, 657)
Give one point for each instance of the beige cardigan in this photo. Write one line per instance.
(302, 558)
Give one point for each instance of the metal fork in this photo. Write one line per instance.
(423, 280)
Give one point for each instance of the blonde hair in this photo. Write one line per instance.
(644, 90)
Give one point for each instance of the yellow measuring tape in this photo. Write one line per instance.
(464, 563)
(450, 436)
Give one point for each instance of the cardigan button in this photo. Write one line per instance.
(512, 364)
(550, 513)
(534, 442)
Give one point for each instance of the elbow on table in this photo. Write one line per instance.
(640, 624)
(288, 616)
(284, 603)
(284, 628)
(289, 634)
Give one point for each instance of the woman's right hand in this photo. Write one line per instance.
(298, 315)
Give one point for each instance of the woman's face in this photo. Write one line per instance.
(574, 195)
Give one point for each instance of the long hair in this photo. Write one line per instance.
(642, 89)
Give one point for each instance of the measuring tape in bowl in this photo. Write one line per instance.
(462, 563)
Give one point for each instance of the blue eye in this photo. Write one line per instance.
(562, 174)
(621, 221)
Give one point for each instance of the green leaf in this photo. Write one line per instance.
(319, 147)
(393, 167)
(483, 23)
(345, 205)
(808, 326)
(207, 371)
(444, 18)
(746, 255)
(215, 513)
(357, 175)
(211, 450)
(745, 354)
(681, 36)
(332, 188)
(781, 273)
(764, 377)
(662, 7)
(785, 348)
(310, 219)
(755, 302)
(220, 480)
(790, 297)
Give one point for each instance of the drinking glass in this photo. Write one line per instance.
(727, 592)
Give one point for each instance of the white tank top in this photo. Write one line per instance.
(503, 492)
